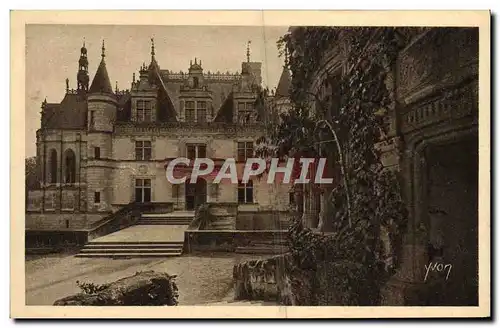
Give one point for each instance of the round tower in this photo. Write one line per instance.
(102, 106)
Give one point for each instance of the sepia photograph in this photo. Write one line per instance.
(279, 165)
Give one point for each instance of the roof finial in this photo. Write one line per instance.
(248, 51)
(67, 85)
(286, 56)
(195, 60)
(152, 48)
(133, 77)
(84, 42)
(191, 62)
(116, 86)
(103, 49)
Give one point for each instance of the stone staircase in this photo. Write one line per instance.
(132, 249)
(154, 235)
(173, 218)
(226, 222)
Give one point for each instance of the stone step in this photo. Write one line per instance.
(134, 246)
(163, 223)
(166, 219)
(127, 255)
(146, 242)
(131, 250)
(175, 214)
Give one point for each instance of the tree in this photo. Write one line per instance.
(32, 177)
(367, 197)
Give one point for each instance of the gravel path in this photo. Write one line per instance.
(201, 278)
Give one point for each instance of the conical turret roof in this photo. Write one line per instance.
(283, 89)
(101, 82)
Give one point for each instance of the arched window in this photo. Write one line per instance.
(69, 166)
(53, 166)
(196, 82)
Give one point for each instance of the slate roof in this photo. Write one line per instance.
(101, 83)
(71, 113)
(284, 84)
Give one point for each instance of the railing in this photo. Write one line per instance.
(125, 217)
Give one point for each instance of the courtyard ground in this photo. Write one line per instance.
(201, 279)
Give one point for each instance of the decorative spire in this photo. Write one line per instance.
(195, 60)
(152, 49)
(103, 50)
(67, 85)
(133, 77)
(101, 82)
(116, 86)
(82, 77)
(286, 57)
(248, 51)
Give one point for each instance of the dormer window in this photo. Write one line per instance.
(144, 110)
(201, 111)
(189, 108)
(245, 112)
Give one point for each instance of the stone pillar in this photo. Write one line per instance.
(407, 286)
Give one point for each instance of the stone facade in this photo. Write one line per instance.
(433, 144)
(100, 149)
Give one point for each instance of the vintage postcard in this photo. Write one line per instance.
(291, 164)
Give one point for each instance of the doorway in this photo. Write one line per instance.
(452, 210)
(196, 194)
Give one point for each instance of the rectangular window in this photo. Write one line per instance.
(245, 151)
(201, 113)
(196, 151)
(143, 190)
(245, 112)
(144, 110)
(97, 197)
(245, 192)
(97, 152)
(143, 150)
(191, 151)
(189, 108)
(202, 151)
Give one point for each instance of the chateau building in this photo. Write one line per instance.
(100, 149)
